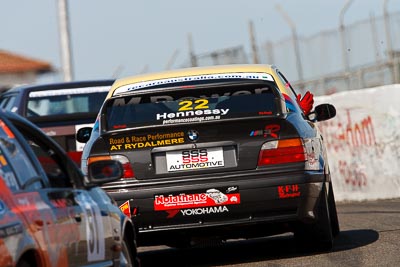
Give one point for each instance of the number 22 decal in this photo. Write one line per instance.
(190, 105)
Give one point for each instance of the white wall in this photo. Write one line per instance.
(363, 143)
(9, 80)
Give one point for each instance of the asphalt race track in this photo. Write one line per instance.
(370, 234)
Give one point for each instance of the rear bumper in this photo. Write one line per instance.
(267, 204)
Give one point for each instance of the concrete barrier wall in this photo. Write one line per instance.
(363, 143)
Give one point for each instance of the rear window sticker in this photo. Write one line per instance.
(137, 99)
(185, 107)
(196, 104)
(191, 113)
(221, 76)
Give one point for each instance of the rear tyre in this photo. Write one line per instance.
(24, 263)
(333, 212)
(318, 235)
(128, 256)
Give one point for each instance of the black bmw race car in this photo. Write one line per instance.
(216, 153)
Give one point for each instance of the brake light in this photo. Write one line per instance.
(282, 151)
(128, 170)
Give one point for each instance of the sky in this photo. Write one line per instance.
(113, 39)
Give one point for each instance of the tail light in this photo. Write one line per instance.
(128, 170)
(282, 151)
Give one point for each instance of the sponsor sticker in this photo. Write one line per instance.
(211, 198)
(271, 130)
(217, 76)
(193, 159)
(192, 111)
(126, 208)
(204, 210)
(132, 142)
(289, 191)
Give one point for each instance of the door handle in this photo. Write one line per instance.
(78, 217)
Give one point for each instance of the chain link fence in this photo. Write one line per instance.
(359, 55)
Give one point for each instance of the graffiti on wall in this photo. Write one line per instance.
(350, 140)
(363, 143)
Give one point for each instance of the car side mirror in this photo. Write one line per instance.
(322, 112)
(83, 134)
(104, 171)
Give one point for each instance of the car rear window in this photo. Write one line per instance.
(66, 101)
(190, 105)
(7, 102)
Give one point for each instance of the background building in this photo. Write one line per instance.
(17, 69)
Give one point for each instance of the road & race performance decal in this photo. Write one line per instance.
(212, 201)
(131, 142)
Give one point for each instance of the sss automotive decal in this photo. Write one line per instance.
(143, 141)
(221, 76)
(195, 159)
(211, 201)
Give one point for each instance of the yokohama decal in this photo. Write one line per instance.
(210, 198)
(203, 211)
